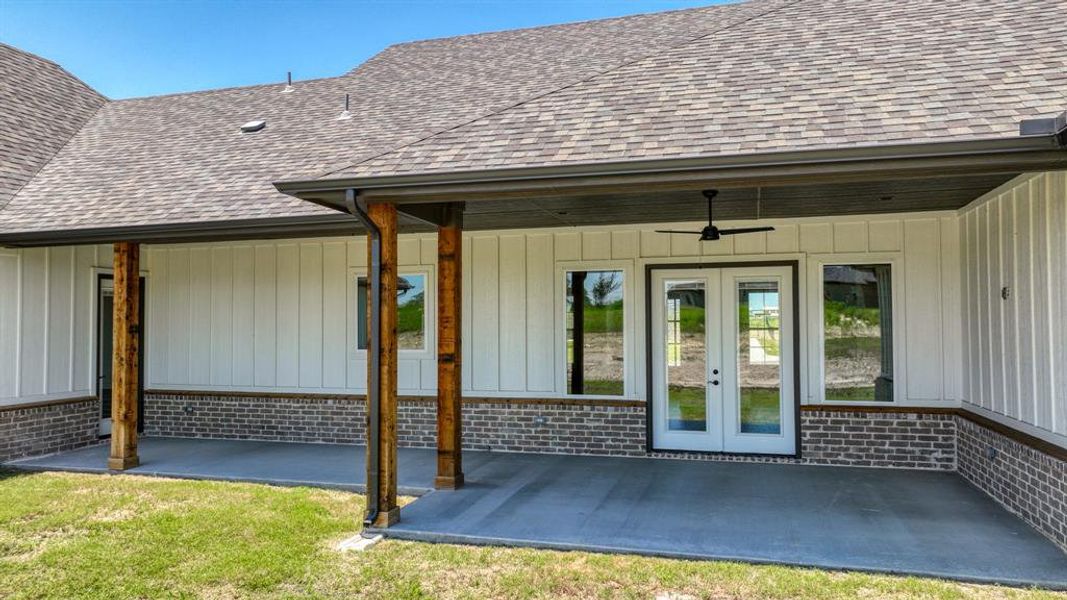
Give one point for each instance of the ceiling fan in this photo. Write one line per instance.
(711, 232)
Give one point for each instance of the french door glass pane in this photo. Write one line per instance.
(686, 356)
(759, 369)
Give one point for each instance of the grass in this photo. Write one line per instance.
(759, 406)
(98, 536)
(604, 387)
(851, 394)
(865, 347)
(603, 319)
(838, 314)
(410, 314)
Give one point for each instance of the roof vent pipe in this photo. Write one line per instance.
(345, 114)
(251, 126)
(288, 82)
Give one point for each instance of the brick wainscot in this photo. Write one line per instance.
(902, 438)
(48, 427)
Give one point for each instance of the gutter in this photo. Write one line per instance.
(353, 204)
(252, 229)
(1042, 150)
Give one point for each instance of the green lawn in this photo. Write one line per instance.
(759, 406)
(854, 346)
(99, 536)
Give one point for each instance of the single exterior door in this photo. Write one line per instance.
(105, 309)
(722, 360)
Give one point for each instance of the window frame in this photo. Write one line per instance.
(817, 325)
(628, 299)
(429, 319)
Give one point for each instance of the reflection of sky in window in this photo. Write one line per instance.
(418, 285)
(593, 276)
(762, 301)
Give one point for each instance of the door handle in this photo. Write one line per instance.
(714, 382)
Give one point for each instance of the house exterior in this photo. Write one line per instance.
(166, 273)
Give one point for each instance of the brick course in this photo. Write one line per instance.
(905, 440)
(501, 426)
(1026, 481)
(873, 439)
(47, 429)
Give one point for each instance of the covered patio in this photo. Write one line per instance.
(894, 521)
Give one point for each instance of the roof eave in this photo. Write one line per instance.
(988, 155)
(248, 229)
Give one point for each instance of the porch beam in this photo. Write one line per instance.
(383, 469)
(449, 349)
(125, 357)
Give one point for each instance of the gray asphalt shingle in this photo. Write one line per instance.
(764, 75)
(43, 106)
(182, 158)
(811, 74)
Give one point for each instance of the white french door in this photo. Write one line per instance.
(722, 360)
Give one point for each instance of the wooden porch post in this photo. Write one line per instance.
(124, 360)
(385, 217)
(449, 351)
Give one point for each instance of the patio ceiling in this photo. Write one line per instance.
(859, 180)
(907, 195)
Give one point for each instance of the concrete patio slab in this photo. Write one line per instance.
(320, 465)
(881, 520)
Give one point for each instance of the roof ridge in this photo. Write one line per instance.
(564, 24)
(230, 88)
(56, 65)
(104, 101)
(55, 154)
(731, 24)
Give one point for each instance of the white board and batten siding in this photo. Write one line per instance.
(1013, 243)
(279, 316)
(47, 321)
(270, 316)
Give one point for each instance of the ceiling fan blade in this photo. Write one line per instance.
(676, 231)
(744, 230)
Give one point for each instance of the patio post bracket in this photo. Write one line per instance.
(125, 357)
(449, 348)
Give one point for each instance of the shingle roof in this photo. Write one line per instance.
(812, 74)
(41, 107)
(181, 158)
(760, 76)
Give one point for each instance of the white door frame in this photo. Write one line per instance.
(723, 404)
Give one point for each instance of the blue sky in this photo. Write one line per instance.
(140, 48)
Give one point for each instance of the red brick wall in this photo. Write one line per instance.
(873, 439)
(47, 429)
(905, 440)
(1024, 480)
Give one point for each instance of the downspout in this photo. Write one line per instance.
(374, 347)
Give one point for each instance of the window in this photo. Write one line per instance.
(595, 341)
(411, 311)
(858, 332)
